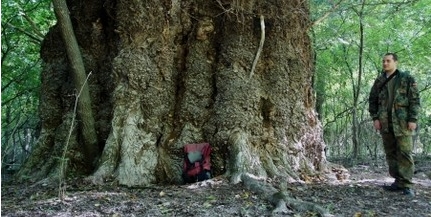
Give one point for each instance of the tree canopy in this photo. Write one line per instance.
(24, 25)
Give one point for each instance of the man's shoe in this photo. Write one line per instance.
(392, 187)
(408, 192)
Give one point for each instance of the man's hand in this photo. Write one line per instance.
(411, 126)
(377, 125)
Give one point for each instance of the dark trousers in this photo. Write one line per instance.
(399, 157)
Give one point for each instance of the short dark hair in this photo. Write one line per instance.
(394, 56)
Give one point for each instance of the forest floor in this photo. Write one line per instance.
(359, 195)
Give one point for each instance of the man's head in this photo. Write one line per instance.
(390, 61)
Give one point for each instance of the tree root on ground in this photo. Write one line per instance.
(280, 198)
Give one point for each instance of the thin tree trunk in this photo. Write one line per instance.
(357, 87)
(319, 87)
(84, 102)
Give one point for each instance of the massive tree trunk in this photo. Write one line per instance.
(167, 73)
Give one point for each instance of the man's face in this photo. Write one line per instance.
(389, 65)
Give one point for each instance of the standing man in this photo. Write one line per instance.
(394, 106)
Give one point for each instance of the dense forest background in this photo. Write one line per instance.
(349, 39)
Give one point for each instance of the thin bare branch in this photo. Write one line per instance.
(334, 7)
(63, 163)
(36, 38)
(33, 26)
(259, 50)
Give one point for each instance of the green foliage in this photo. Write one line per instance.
(393, 26)
(24, 24)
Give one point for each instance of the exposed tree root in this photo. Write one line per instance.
(283, 203)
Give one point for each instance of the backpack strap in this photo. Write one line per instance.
(387, 80)
(206, 161)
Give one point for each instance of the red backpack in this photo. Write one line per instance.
(197, 162)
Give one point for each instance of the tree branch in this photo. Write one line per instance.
(37, 38)
(63, 160)
(334, 7)
(33, 25)
(259, 50)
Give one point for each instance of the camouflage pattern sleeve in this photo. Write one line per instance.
(414, 100)
(373, 100)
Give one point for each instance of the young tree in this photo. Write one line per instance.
(88, 131)
(236, 74)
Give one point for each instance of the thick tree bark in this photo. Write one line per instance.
(183, 72)
(265, 123)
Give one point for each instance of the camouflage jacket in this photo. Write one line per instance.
(405, 107)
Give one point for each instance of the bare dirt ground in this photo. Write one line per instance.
(359, 195)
